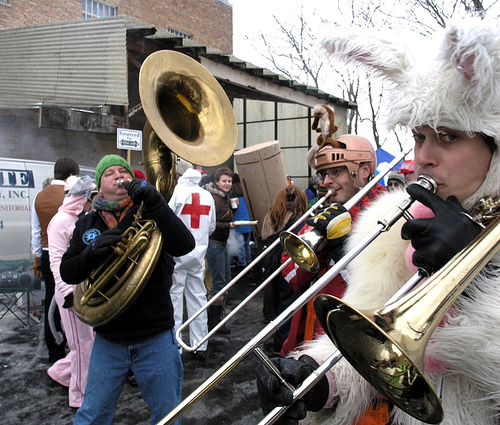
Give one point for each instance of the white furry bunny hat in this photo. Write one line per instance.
(456, 86)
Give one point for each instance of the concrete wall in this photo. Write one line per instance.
(21, 138)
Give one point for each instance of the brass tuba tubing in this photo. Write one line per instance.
(273, 326)
(349, 204)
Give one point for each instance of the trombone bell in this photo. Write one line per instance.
(379, 359)
(301, 249)
(387, 346)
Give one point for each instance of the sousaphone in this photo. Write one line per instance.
(189, 115)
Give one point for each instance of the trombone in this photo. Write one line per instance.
(349, 204)
(332, 360)
(384, 225)
(387, 346)
(178, 333)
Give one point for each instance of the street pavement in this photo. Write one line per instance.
(29, 396)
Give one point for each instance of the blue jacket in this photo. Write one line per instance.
(242, 214)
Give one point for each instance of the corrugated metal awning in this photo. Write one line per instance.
(81, 63)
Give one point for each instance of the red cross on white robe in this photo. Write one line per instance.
(195, 209)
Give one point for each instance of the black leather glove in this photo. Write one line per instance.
(333, 222)
(102, 245)
(436, 240)
(141, 190)
(272, 393)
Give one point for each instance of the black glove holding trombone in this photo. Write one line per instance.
(436, 240)
(334, 224)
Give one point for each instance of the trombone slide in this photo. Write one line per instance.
(178, 333)
(274, 325)
(333, 359)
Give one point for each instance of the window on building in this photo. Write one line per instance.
(5, 2)
(96, 9)
(179, 33)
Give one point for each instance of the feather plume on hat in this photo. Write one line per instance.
(456, 86)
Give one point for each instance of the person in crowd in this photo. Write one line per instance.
(138, 174)
(243, 233)
(195, 207)
(395, 181)
(140, 339)
(290, 204)
(80, 336)
(205, 180)
(450, 102)
(217, 254)
(346, 169)
(407, 169)
(312, 188)
(45, 206)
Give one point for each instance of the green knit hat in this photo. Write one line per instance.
(109, 161)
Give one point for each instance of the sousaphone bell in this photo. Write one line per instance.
(189, 115)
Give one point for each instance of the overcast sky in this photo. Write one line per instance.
(251, 17)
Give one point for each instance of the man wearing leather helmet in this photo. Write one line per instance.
(141, 339)
(451, 106)
(345, 164)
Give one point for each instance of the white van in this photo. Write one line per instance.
(20, 181)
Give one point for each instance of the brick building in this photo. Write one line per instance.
(69, 82)
(208, 22)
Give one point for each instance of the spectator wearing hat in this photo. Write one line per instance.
(138, 174)
(395, 181)
(312, 189)
(407, 169)
(80, 336)
(141, 338)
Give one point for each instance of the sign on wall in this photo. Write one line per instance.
(129, 139)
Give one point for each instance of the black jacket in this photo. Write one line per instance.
(152, 312)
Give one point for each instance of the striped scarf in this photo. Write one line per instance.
(112, 211)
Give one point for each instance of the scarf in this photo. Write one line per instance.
(112, 211)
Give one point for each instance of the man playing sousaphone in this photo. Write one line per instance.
(450, 102)
(141, 339)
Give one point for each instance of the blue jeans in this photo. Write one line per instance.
(218, 266)
(156, 364)
(245, 253)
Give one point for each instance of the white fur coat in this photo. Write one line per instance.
(468, 345)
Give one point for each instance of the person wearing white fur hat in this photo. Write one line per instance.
(80, 337)
(451, 105)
